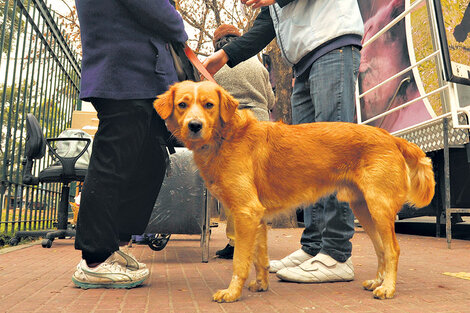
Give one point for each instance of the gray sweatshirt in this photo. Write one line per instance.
(248, 82)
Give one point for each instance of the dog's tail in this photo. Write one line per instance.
(421, 173)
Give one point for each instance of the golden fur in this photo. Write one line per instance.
(259, 168)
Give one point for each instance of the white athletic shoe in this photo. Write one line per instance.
(109, 274)
(292, 260)
(319, 269)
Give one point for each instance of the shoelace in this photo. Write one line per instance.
(125, 250)
(114, 267)
(131, 255)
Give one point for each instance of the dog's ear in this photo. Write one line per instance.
(164, 103)
(228, 104)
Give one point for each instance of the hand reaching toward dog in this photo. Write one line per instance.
(215, 62)
(258, 3)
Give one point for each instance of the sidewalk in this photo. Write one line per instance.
(34, 279)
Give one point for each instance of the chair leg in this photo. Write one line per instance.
(63, 211)
(27, 233)
(62, 219)
(49, 235)
(61, 233)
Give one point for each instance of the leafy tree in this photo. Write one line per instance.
(204, 16)
(9, 23)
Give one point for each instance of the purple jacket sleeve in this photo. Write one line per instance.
(158, 16)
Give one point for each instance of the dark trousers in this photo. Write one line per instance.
(124, 176)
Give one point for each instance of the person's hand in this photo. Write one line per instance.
(258, 3)
(215, 62)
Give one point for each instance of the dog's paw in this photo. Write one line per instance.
(255, 285)
(225, 295)
(383, 292)
(371, 284)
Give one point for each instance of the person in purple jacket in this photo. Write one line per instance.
(126, 64)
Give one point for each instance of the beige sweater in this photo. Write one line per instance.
(249, 83)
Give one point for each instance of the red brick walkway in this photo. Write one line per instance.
(34, 279)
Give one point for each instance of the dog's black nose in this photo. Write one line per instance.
(195, 126)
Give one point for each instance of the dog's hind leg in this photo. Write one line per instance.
(260, 260)
(386, 230)
(383, 211)
(361, 212)
(247, 222)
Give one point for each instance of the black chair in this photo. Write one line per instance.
(64, 170)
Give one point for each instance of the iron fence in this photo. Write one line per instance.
(39, 74)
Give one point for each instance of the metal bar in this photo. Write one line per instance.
(206, 227)
(438, 194)
(4, 25)
(455, 210)
(36, 110)
(26, 103)
(419, 125)
(399, 73)
(7, 206)
(17, 211)
(36, 197)
(5, 154)
(58, 36)
(447, 182)
(40, 34)
(405, 105)
(11, 135)
(26, 190)
(392, 23)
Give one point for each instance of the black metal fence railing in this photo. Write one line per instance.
(39, 74)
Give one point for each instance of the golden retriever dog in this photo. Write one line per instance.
(260, 168)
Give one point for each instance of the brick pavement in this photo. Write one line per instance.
(35, 279)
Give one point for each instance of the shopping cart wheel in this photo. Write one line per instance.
(159, 242)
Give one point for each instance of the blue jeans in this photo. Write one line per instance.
(327, 94)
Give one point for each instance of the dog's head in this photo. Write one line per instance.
(194, 110)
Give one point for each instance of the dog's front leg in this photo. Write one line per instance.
(247, 221)
(261, 260)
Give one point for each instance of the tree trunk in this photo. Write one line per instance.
(282, 79)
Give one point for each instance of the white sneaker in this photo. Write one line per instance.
(319, 269)
(125, 258)
(292, 260)
(109, 274)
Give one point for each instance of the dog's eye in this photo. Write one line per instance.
(182, 105)
(209, 105)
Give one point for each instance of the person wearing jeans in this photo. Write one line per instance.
(316, 100)
(321, 40)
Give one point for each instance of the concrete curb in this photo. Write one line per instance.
(19, 247)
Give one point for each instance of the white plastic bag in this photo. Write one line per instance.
(72, 148)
